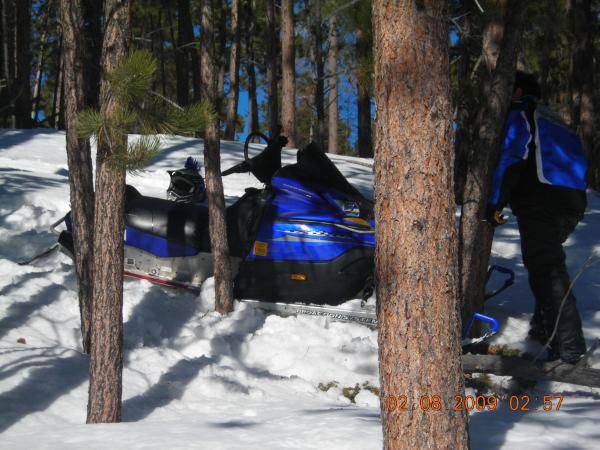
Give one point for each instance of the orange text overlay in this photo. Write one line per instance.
(517, 403)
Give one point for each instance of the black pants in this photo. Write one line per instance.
(542, 235)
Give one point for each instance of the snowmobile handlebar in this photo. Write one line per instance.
(249, 138)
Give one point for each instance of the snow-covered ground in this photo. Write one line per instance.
(194, 379)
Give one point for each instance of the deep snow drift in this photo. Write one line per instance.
(194, 379)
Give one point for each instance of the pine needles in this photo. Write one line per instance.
(142, 111)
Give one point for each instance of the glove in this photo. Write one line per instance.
(494, 216)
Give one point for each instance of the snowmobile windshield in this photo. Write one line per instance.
(314, 167)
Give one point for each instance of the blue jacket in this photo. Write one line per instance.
(558, 152)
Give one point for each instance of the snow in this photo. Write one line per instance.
(195, 379)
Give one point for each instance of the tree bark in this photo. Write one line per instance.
(415, 256)
(57, 103)
(582, 81)
(37, 85)
(525, 369)
(319, 63)
(8, 62)
(250, 70)
(271, 40)
(332, 141)
(81, 180)
(181, 63)
(234, 71)
(288, 67)
(22, 86)
(221, 61)
(212, 163)
(92, 10)
(106, 362)
(475, 235)
(363, 99)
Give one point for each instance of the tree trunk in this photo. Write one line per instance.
(252, 97)
(363, 99)
(332, 141)
(212, 164)
(181, 64)
(415, 257)
(161, 55)
(221, 60)
(81, 180)
(525, 369)
(37, 85)
(93, 35)
(234, 72)
(22, 87)
(55, 120)
(271, 40)
(582, 81)
(106, 362)
(288, 68)
(475, 235)
(319, 62)
(7, 61)
(464, 108)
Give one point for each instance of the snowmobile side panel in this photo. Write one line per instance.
(320, 282)
(157, 245)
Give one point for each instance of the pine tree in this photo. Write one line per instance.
(234, 71)
(288, 68)
(501, 46)
(417, 282)
(81, 180)
(212, 162)
(127, 104)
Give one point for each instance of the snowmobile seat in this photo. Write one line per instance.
(176, 222)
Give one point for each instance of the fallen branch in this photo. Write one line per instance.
(526, 369)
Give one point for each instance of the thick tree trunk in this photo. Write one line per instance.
(363, 99)
(582, 80)
(8, 107)
(288, 68)
(252, 97)
(234, 71)
(212, 164)
(106, 362)
(271, 40)
(22, 86)
(319, 63)
(475, 235)
(81, 180)
(93, 36)
(415, 257)
(332, 141)
(464, 108)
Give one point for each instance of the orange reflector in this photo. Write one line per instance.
(298, 276)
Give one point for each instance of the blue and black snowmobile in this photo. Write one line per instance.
(307, 236)
(301, 245)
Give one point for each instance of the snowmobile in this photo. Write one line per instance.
(307, 236)
(303, 244)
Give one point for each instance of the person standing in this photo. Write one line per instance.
(541, 175)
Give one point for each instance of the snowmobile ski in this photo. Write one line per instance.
(365, 316)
